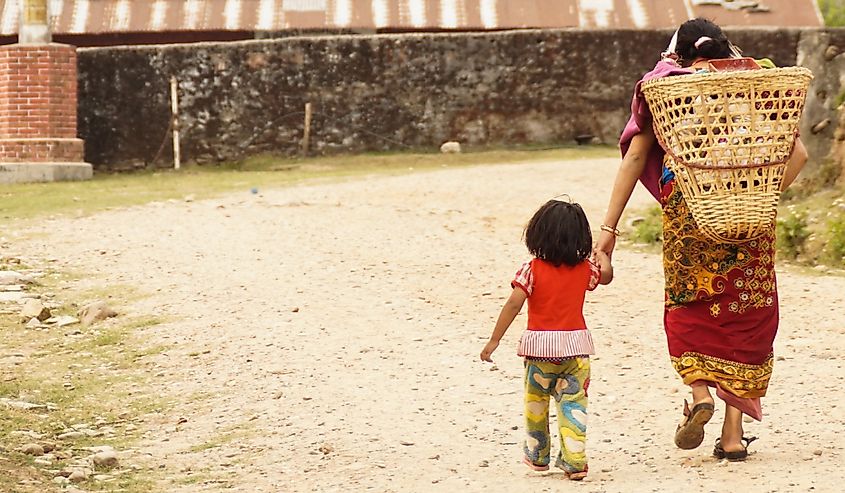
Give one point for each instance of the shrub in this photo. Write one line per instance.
(792, 233)
(833, 12)
(649, 228)
(836, 240)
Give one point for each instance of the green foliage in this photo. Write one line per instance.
(833, 12)
(792, 233)
(649, 228)
(835, 251)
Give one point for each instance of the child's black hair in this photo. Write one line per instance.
(559, 234)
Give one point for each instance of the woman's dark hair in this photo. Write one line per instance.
(693, 30)
(559, 234)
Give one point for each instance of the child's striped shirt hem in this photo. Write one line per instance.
(555, 343)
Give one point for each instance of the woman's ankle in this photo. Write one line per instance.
(700, 392)
(731, 439)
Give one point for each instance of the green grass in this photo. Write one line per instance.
(647, 228)
(85, 378)
(106, 191)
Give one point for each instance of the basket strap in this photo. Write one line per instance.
(677, 159)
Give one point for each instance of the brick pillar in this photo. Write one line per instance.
(38, 139)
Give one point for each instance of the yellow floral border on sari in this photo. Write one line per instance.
(743, 380)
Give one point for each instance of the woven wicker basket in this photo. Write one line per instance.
(727, 137)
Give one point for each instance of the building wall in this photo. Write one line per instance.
(371, 93)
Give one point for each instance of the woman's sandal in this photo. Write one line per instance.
(690, 433)
(736, 456)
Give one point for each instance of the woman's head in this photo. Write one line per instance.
(701, 38)
(559, 233)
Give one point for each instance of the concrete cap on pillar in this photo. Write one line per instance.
(34, 22)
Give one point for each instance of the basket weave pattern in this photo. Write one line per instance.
(727, 138)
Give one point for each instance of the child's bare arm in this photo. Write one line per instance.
(605, 266)
(509, 312)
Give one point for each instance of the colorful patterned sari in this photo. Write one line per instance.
(721, 314)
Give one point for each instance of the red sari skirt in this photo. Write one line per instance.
(721, 313)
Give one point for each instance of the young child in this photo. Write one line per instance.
(557, 344)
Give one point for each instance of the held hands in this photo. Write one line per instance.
(488, 350)
(606, 243)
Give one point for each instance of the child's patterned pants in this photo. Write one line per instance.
(567, 382)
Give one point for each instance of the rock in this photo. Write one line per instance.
(33, 449)
(48, 447)
(65, 320)
(817, 452)
(451, 147)
(484, 463)
(26, 406)
(26, 434)
(106, 459)
(60, 480)
(11, 277)
(584, 139)
(34, 309)
(12, 296)
(77, 476)
(326, 449)
(33, 323)
(831, 52)
(71, 435)
(820, 126)
(94, 312)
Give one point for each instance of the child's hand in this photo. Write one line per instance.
(488, 350)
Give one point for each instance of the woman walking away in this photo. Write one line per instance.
(557, 344)
(721, 304)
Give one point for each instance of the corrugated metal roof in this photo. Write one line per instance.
(114, 16)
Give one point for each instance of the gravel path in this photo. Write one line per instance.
(325, 337)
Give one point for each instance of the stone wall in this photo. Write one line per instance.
(824, 54)
(371, 93)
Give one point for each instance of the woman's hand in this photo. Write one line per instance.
(488, 350)
(606, 243)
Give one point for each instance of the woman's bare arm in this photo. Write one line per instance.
(795, 164)
(629, 172)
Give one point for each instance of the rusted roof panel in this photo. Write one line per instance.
(114, 16)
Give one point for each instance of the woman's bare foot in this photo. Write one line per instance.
(731, 440)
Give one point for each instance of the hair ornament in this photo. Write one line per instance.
(701, 41)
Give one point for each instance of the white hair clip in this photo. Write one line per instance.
(701, 41)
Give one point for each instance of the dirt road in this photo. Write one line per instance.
(325, 337)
